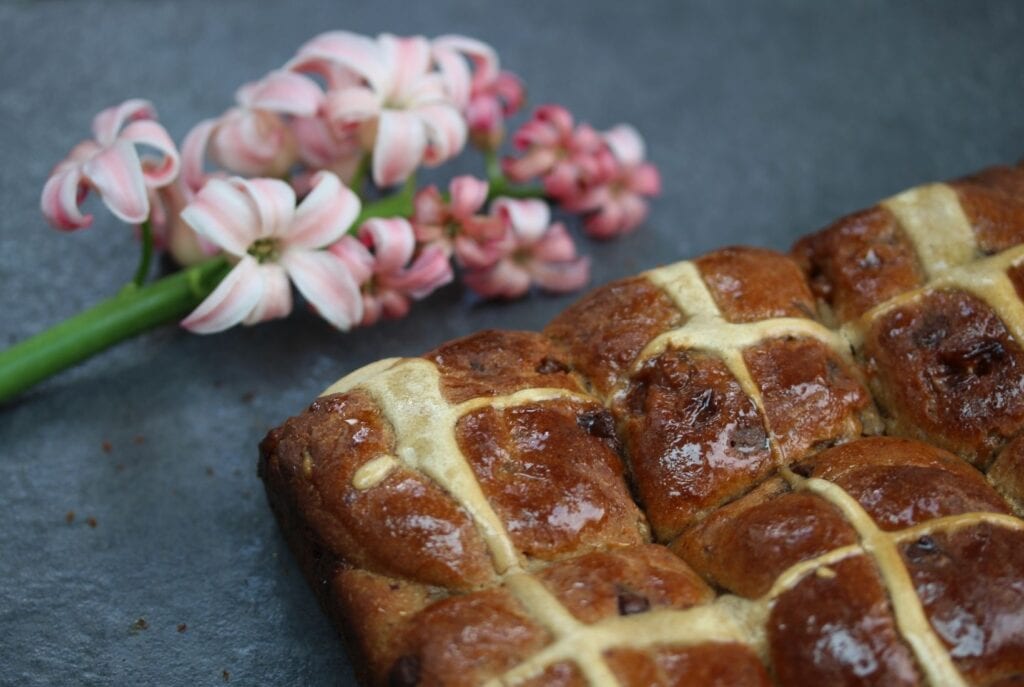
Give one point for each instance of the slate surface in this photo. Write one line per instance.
(767, 121)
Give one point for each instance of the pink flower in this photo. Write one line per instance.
(170, 232)
(111, 165)
(256, 222)
(569, 158)
(619, 205)
(392, 275)
(399, 107)
(487, 96)
(532, 252)
(253, 138)
(455, 225)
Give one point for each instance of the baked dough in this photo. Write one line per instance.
(745, 469)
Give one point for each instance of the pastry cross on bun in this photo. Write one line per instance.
(745, 469)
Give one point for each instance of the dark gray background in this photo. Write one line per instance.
(767, 121)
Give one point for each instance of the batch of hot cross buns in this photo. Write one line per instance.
(750, 468)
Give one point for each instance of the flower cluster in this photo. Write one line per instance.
(278, 184)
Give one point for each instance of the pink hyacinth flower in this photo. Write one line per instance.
(400, 109)
(384, 261)
(487, 96)
(256, 222)
(455, 225)
(254, 137)
(111, 165)
(533, 252)
(567, 157)
(170, 232)
(619, 205)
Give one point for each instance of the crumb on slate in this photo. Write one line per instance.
(140, 625)
(209, 471)
(139, 439)
(226, 675)
(107, 446)
(182, 627)
(91, 522)
(69, 517)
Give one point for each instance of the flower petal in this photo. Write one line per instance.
(325, 214)
(276, 301)
(327, 284)
(359, 54)
(555, 246)
(505, 279)
(468, 195)
(529, 218)
(401, 140)
(407, 59)
(349, 106)
(253, 143)
(274, 201)
(455, 74)
(485, 60)
(223, 213)
(446, 132)
(283, 92)
(319, 147)
(107, 124)
(645, 180)
(626, 144)
(429, 271)
(233, 299)
(561, 277)
(60, 199)
(356, 257)
(116, 173)
(392, 240)
(157, 171)
(428, 206)
(193, 154)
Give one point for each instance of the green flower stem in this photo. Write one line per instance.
(138, 308)
(147, 253)
(134, 310)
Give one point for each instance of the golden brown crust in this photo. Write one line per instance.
(603, 332)
(972, 585)
(494, 363)
(552, 506)
(944, 368)
(858, 262)
(467, 517)
(850, 637)
(750, 284)
(683, 418)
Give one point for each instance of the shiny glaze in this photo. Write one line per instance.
(617, 582)
(993, 201)
(405, 527)
(902, 483)
(494, 363)
(750, 284)
(811, 397)
(849, 638)
(858, 262)
(604, 331)
(972, 585)
(744, 546)
(558, 488)
(463, 640)
(709, 665)
(945, 368)
(1007, 473)
(694, 439)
